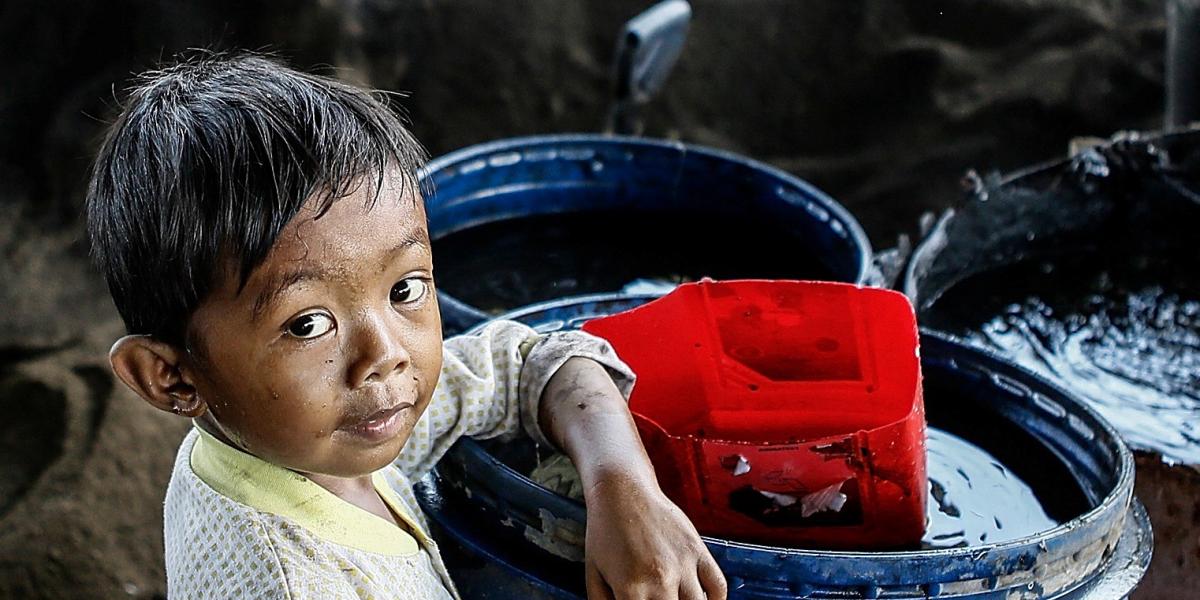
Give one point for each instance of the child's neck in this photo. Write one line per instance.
(359, 491)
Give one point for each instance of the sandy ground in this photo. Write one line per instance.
(83, 464)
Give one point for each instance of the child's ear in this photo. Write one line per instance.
(152, 369)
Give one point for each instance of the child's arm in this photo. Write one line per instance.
(508, 377)
(638, 544)
(491, 384)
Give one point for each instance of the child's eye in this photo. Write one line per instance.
(407, 291)
(310, 325)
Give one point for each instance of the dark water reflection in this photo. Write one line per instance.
(508, 264)
(974, 499)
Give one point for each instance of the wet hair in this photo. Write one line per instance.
(207, 162)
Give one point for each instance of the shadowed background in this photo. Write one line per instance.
(884, 104)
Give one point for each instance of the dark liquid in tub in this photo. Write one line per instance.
(974, 498)
(1120, 327)
(508, 264)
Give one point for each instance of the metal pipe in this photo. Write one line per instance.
(1183, 63)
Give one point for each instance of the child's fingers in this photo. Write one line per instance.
(597, 589)
(712, 579)
(690, 589)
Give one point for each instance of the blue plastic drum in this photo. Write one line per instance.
(507, 537)
(526, 220)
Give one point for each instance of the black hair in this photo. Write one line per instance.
(208, 161)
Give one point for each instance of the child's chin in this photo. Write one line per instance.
(361, 464)
(387, 453)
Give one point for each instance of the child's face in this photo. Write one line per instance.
(325, 360)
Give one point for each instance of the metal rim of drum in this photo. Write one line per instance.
(587, 147)
(934, 241)
(1115, 531)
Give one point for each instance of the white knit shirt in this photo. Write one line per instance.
(239, 527)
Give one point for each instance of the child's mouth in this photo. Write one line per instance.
(380, 425)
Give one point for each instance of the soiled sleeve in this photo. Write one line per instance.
(549, 354)
(491, 385)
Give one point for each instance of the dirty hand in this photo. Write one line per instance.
(640, 545)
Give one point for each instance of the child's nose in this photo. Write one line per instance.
(380, 351)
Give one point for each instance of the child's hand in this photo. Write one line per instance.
(639, 544)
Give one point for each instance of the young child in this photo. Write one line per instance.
(265, 241)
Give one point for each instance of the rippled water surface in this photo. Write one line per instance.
(1120, 328)
(974, 499)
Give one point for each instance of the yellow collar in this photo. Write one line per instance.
(273, 489)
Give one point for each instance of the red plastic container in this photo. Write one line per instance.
(782, 412)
